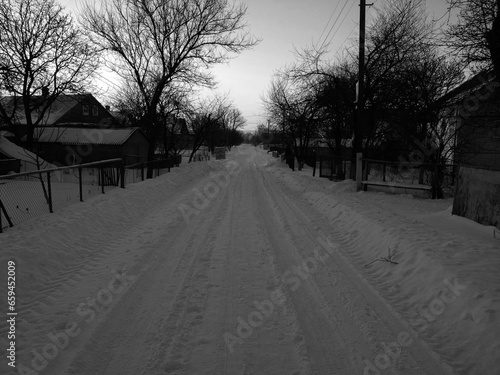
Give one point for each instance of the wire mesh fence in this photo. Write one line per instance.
(138, 172)
(438, 176)
(24, 196)
(334, 169)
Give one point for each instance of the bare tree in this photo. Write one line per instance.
(231, 120)
(336, 100)
(398, 36)
(154, 43)
(206, 117)
(43, 55)
(234, 122)
(172, 110)
(476, 35)
(292, 100)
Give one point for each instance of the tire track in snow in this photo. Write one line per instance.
(131, 338)
(365, 309)
(250, 272)
(315, 334)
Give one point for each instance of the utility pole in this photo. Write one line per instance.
(283, 134)
(360, 100)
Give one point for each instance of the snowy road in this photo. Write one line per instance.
(236, 275)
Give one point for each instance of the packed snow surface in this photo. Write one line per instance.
(242, 266)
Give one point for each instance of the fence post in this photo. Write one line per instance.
(366, 170)
(4, 210)
(384, 169)
(359, 171)
(142, 171)
(101, 172)
(122, 174)
(49, 187)
(435, 182)
(80, 182)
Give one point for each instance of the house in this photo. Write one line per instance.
(76, 145)
(79, 110)
(175, 137)
(474, 108)
(74, 129)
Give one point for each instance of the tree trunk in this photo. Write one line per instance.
(151, 157)
(493, 40)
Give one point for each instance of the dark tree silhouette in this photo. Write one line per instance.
(475, 37)
(43, 55)
(154, 43)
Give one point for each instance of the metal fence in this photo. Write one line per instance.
(24, 196)
(334, 169)
(138, 172)
(442, 176)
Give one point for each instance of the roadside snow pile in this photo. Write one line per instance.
(446, 283)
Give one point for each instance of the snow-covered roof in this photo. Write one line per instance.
(82, 136)
(62, 105)
(14, 151)
(467, 88)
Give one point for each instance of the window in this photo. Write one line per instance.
(95, 110)
(86, 110)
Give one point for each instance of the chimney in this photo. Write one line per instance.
(45, 91)
(108, 108)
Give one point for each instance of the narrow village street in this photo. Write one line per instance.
(237, 275)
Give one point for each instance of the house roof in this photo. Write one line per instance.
(84, 136)
(62, 104)
(476, 83)
(16, 152)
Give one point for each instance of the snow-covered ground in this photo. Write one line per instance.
(245, 267)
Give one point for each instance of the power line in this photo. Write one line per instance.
(334, 24)
(331, 16)
(356, 25)
(103, 79)
(345, 40)
(338, 28)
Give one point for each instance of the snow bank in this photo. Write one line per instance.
(446, 284)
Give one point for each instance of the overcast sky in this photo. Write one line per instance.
(283, 25)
